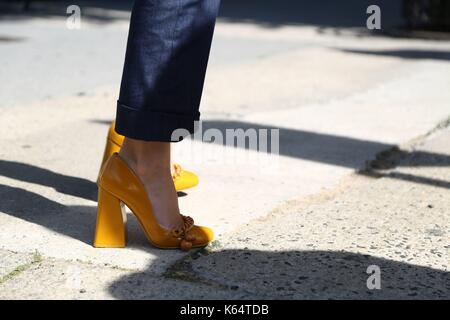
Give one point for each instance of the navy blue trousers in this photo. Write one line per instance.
(165, 64)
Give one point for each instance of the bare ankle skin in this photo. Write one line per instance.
(150, 160)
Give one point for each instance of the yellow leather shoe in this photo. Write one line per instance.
(182, 179)
(119, 185)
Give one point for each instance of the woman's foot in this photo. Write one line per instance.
(151, 162)
(182, 179)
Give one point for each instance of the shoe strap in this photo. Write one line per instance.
(177, 170)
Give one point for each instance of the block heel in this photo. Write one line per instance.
(111, 219)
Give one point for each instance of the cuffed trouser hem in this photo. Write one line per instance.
(151, 125)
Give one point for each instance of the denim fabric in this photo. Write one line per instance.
(165, 65)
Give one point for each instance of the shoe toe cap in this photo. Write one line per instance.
(203, 235)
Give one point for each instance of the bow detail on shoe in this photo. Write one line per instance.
(177, 170)
(181, 233)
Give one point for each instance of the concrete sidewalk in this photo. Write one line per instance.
(308, 230)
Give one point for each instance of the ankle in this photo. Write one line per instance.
(147, 159)
(152, 171)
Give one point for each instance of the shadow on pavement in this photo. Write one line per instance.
(77, 223)
(328, 148)
(408, 177)
(74, 186)
(324, 13)
(406, 54)
(347, 152)
(318, 147)
(254, 274)
(15, 10)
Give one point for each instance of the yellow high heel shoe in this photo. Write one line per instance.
(182, 179)
(119, 185)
